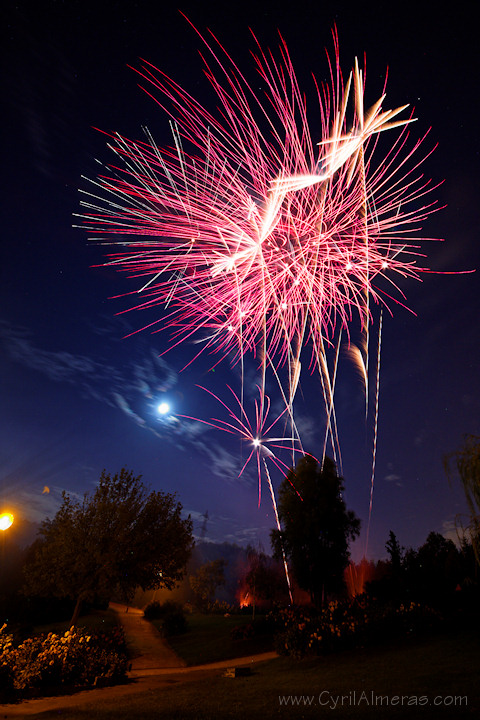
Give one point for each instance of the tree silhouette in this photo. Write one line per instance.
(317, 527)
(262, 579)
(206, 580)
(121, 537)
(466, 461)
(395, 552)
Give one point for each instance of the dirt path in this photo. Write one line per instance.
(153, 656)
(149, 651)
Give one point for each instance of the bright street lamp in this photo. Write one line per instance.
(6, 520)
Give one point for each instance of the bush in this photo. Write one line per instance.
(354, 623)
(73, 659)
(294, 631)
(174, 623)
(153, 611)
(156, 610)
(6, 677)
(172, 615)
(111, 640)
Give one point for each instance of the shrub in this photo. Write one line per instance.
(358, 622)
(171, 607)
(174, 622)
(6, 678)
(112, 639)
(50, 661)
(172, 615)
(156, 610)
(294, 631)
(153, 611)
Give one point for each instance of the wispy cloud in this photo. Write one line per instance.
(394, 478)
(223, 463)
(219, 528)
(246, 535)
(132, 386)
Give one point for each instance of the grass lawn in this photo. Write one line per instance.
(207, 639)
(446, 665)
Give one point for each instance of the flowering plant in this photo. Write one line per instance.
(74, 658)
(350, 623)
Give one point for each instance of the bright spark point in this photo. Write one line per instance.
(163, 408)
(256, 442)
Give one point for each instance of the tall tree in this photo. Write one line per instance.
(123, 536)
(394, 550)
(317, 527)
(395, 575)
(206, 580)
(433, 571)
(262, 579)
(466, 462)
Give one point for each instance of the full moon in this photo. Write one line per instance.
(163, 408)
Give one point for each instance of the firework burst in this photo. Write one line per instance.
(254, 229)
(265, 228)
(257, 433)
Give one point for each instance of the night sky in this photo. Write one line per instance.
(79, 392)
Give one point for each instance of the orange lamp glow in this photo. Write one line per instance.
(6, 519)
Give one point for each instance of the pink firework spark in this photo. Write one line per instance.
(260, 227)
(256, 433)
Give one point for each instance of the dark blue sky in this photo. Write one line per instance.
(78, 396)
